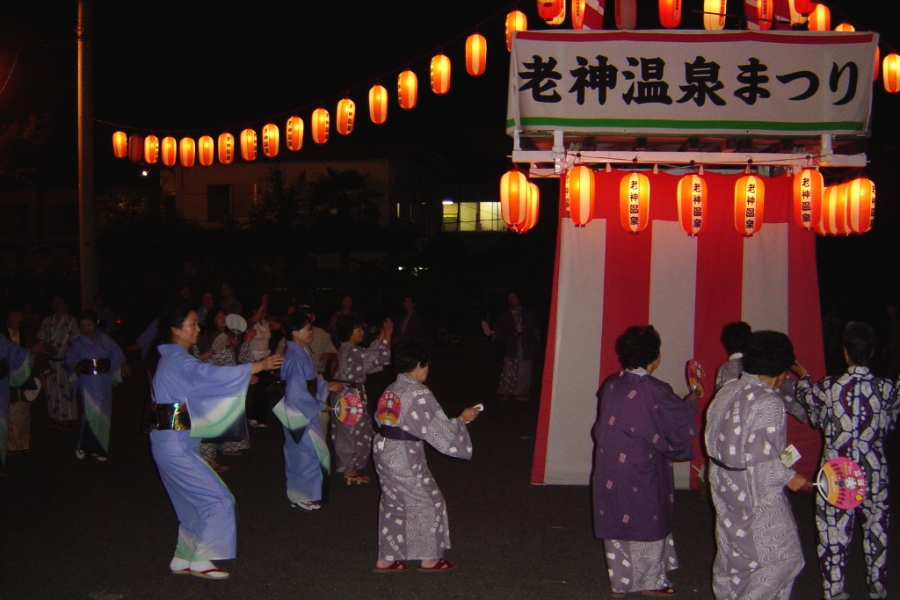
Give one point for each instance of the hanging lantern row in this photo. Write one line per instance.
(519, 201)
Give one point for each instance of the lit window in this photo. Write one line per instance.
(472, 216)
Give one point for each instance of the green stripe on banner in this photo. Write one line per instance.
(639, 124)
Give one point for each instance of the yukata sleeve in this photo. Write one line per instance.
(20, 361)
(815, 398)
(73, 355)
(766, 439)
(674, 423)
(426, 419)
(788, 393)
(376, 356)
(891, 394)
(216, 397)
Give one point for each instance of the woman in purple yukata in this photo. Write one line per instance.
(194, 400)
(96, 363)
(642, 426)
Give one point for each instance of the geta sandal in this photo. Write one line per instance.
(358, 478)
(661, 592)
(394, 567)
(211, 574)
(440, 565)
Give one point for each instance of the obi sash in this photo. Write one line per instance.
(395, 433)
(171, 416)
(722, 465)
(95, 366)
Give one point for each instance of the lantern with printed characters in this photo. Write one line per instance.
(226, 148)
(749, 200)
(293, 133)
(634, 202)
(270, 140)
(692, 204)
(346, 116)
(808, 188)
(248, 144)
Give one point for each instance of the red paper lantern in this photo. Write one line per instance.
(346, 116)
(692, 204)
(580, 195)
(248, 144)
(875, 70)
(763, 18)
(135, 148)
(187, 151)
(378, 104)
(820, 18)
(206, 150)
(860, 205)
(626, 14)
(578, 14)
(515, 21)
(550, 11)
(808, 188)
(151, 149)
(670, 13)
(120, 144)
(440, 74)
(634, 202)
(408, 90)
(321, 125)
(226, 148)
(476, 54)
(804, 7)
(169, 153)
(714, 14)
(514, 193)
(270, 140)
(834, 210)
(293, 133)
(532, 207)
(749, 200)
(890, 72)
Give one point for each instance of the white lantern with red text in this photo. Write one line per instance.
(808, 188)
(692, 204)
(580, 195)
(749, 200)
(634, 202)
(714, 14)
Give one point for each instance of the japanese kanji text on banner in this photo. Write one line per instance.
(692, 82)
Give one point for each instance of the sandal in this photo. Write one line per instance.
(394, 567)
(358, 478)
(440, 565)
(219, 468)
(661, 592)
(211, 574)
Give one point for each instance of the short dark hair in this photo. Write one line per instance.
(859, 342)
(87, 315)
(638, 346)
(209, 322)
(734, 336)
(346, 324)
(406, 356)
(294, 322)
(768, 353)
(173, 318)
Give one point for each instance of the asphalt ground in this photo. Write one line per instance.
(73, 529)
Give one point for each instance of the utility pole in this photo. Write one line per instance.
(87, 246)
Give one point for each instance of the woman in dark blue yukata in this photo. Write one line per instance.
(642, 426)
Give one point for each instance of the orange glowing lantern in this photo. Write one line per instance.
(626, 14)
(634, 202)
(834, 210)
(550, 10)
(514, 193)
(515, 21)
(804, 7)
(151, 149)
(440, 74)
(714, 14)
(226, 148)
(763, 18)
(120, 144)
(135, 148)
(476, 54)
(692, 204)
(532, 207)
(248, 144)
(808, 188)
(890, 72)
(578, 14)
(321, 125)
(169, 153)
(860, 205)
(206, 150)
(845, 27)
(187, 151)
(378, 104)
(346, 115)
(293, 133)
(749, 199)
(670, 13)
(580, 195)
(820, 18)
(875, 71)
(408, 90)
(270, 140)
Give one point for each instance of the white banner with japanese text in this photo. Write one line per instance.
(692, 82)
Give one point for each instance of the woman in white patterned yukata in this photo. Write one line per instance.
(57, 333)
(642, 426)
(759, 552)
(855, 412)
(353, 439)
(412, 514)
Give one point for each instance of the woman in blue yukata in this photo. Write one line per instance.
(194, 400)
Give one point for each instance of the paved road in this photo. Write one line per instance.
(82, 530)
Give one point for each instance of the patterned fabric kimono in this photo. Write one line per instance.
(204, 506)
(732, 369)
(412, 514)
(306, 459)
(15, 368)
(58, 337)
(353, 443)
(759, 552)
(95, 389)
(642, 426)
(855, 412)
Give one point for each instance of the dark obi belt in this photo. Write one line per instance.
(170, 416)
(94, 366)
(395, 433)
(722, 465)
(4, 369)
